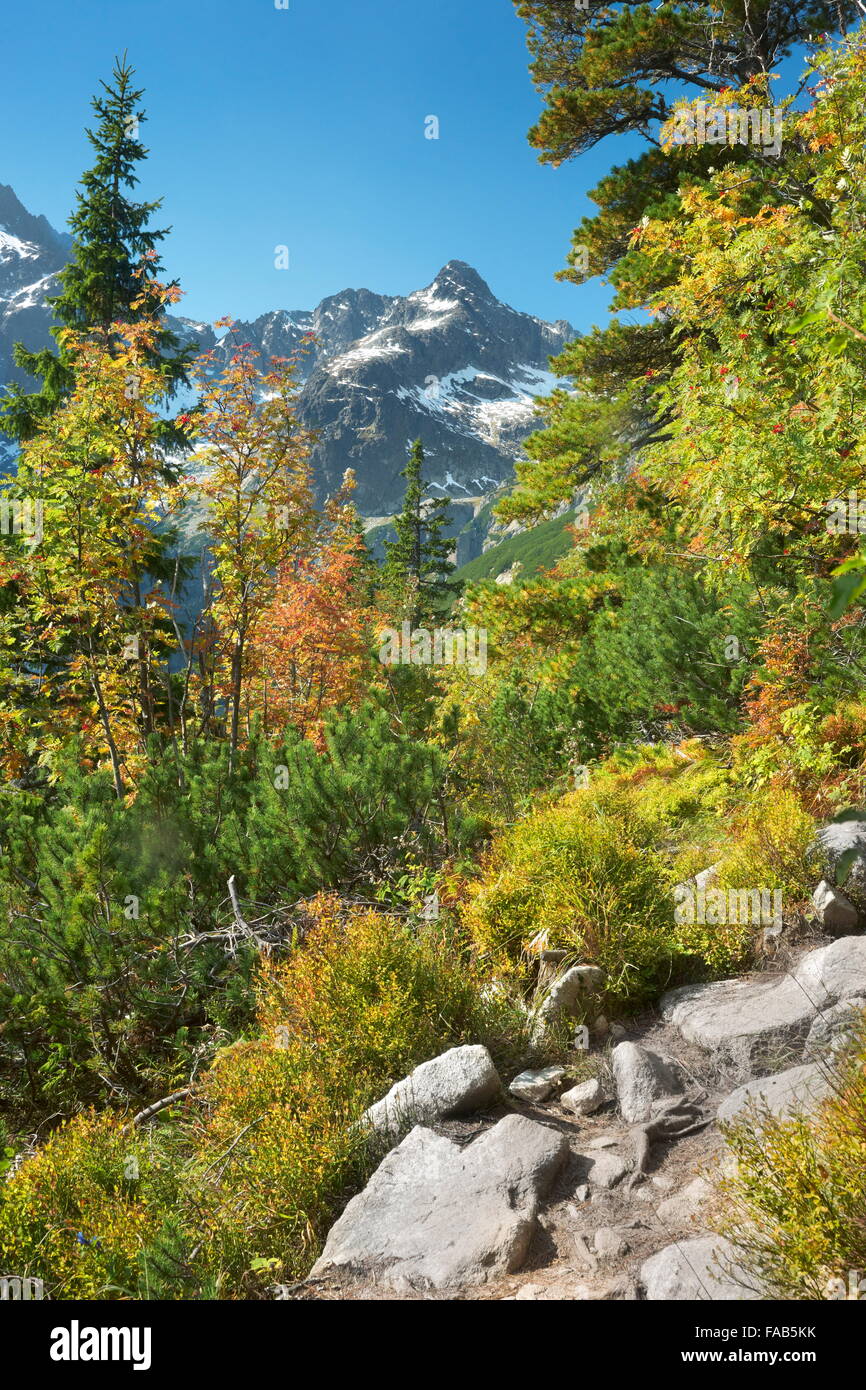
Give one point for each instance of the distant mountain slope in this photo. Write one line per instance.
(449, 363)
(535, 549)
(31, 253)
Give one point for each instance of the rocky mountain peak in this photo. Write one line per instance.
(449, 364)
(461, 279)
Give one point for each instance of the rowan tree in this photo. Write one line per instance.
(86, 621)
(253, 460)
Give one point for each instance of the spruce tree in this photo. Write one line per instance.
(418, 561)
(111, 239)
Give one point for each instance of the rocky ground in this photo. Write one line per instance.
(516, 1193)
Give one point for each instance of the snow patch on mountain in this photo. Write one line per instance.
(13, 247)
(369, 350)
(31, 296)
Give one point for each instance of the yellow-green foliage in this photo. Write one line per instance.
(721, 948)
(572, 875)
(816, 751)
(670, 797)
(796, 1209)
(681, 801)
(78, 1213)
(365, 999)
(257, 1180)
(768, 844)
(594, 872)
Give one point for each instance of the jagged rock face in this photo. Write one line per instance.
(31, 254)
(449, 364)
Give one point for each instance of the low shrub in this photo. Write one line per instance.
(670, 796)
(365, 999)
(113, 975)
(78, 1214)
(570, 877)
(768, 844)
(796, 1208)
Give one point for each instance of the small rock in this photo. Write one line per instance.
(606, 1170)
(582, 1192)
(610, 1243)
(617, 1031)
(568, 993)
(835, 912)
(604, 1141)
(536, 1086)
(643, 1077)
(685, 1205)
(582, 1251)
(584, 1098)
(599, 1028)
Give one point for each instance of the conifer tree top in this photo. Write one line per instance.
(112, 238)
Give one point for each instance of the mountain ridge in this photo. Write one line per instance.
(449, 363)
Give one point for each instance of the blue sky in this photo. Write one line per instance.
(305, 127)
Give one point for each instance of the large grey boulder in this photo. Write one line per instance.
(702, 1269)
(834, 1029)
(643, 1077)
(436, 1215)
(834, 911)
(797, 1089)
(843, 842)
(759, 1023)
(460, 1080)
